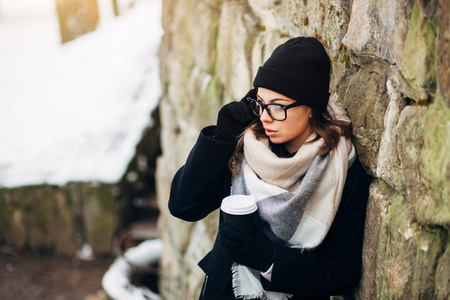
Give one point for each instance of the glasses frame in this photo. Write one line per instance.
(267, 108)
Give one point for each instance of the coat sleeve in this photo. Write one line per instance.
(200, 185)
(335, 266)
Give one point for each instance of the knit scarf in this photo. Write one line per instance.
(297, 197)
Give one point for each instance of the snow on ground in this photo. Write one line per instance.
(74, 111)
(116, 280)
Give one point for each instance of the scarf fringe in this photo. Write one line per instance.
(237, 279)
(242, 275)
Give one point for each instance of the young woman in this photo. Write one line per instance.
(289, 146)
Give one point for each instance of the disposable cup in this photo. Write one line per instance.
(239, 211)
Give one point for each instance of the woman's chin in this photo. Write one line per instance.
(275, 140)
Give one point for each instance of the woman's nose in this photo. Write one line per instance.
(265, 116)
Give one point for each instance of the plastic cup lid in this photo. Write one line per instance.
(239, 204)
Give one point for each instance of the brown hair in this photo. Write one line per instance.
(321, 123)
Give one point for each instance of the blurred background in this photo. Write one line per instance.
(101, 102)
(77, 87)
(79, 93)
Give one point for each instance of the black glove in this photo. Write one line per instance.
(254, 251)
(234, 118)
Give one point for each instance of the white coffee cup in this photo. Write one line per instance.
(238, 212)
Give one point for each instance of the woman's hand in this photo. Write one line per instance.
(255, 251)
(234, 118)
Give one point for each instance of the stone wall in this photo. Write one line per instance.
(390, 63)
(59, 220)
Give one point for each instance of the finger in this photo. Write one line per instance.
(252, 94)
(230, 236)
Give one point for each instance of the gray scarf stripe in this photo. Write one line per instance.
(284, 211)
(239, 187)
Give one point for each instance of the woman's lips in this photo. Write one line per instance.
(270, 132)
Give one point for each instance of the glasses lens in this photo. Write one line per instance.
(277, 112)
(256, 107)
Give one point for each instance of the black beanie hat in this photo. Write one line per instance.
(298, 69)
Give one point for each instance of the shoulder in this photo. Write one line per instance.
(356, 176)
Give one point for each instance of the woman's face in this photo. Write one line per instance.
(291, 132)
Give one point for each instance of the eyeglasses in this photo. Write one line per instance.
(275, 111)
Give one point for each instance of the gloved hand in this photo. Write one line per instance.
(254, 251)
(234, 118)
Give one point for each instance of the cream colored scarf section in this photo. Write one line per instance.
(286, 172)
(282, 172)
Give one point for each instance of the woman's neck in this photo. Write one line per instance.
(281, 151)
(294, 145)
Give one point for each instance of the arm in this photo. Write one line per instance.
(200, 185)
(335, 266)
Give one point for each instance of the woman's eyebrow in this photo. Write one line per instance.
(272, 100)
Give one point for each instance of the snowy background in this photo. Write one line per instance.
(74, 111)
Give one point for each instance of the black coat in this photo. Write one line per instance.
(332, 268)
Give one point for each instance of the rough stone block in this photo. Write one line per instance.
(388, 165)
(379, 28)
(237, 30)
(424, 142)
(418, 59)
(377, 208)
(101, 217)
(201, 242)
(443, 49)
(407, 254)
(362, 91)
(37, 217)
(442, 285)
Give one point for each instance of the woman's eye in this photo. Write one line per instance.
(277, 107)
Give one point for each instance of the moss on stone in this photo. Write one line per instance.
(335, 59)
(408, 253)
(39, 218)
(394, 250)
(430, 244)
(343, 56)
(419, 53)
(398, 214)
(435, 161)
(345, 60)
(100, 215)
